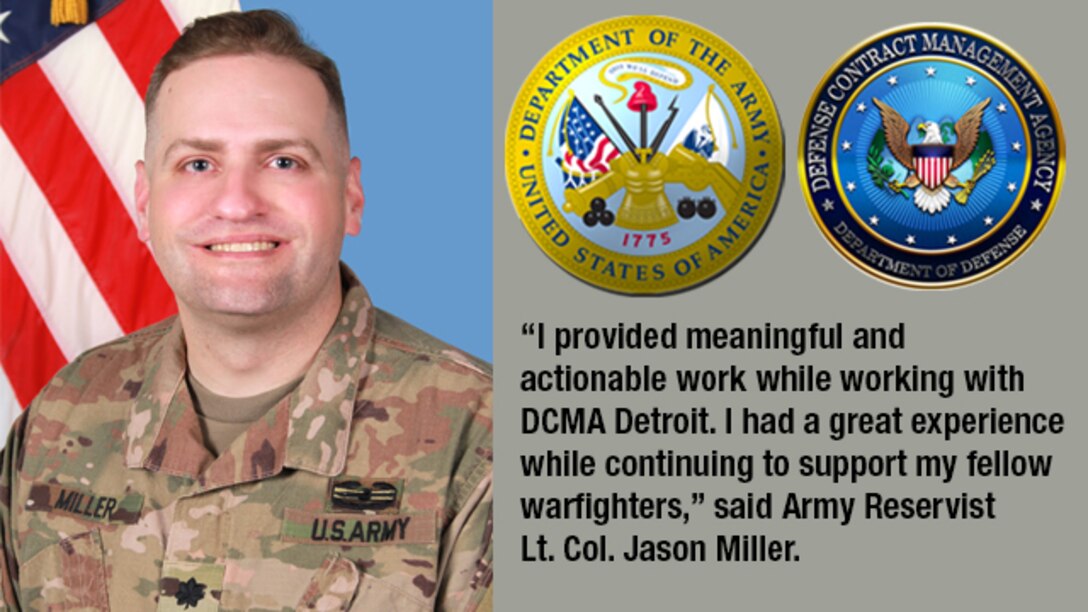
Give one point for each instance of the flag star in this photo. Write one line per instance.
(1036, 205)
(1011, 187)
(971, 81)
(910, 239)
(4, 16)
(850, 186)
(931, 71)
(874, 220)
(846, 145)
(828, 205)
(893, 80)
(1001, 108)
(952, 239)
(861, 107)
(988, 221)
(1016, 146)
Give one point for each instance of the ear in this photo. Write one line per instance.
(353, 198)
(143, 195)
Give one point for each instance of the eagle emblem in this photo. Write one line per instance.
(930, 164)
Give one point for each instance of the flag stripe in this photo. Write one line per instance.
(27, 350)
(602, 150)
(49, 265)
(932, 171)
(101, 100)
(183, 12)
(9, 404)
(596, 162)
(81, 194)
(139, 34)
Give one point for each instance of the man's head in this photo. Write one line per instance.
(247, 187)
(250, 33)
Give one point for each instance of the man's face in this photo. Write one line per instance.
(247, 190)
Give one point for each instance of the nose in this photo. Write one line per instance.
(239, 197)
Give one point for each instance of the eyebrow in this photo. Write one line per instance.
(273, 144)
(262, 146)
(209, 146)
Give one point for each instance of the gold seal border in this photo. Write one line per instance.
(1011, 257)
(775, 157)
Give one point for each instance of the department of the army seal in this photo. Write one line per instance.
(644, 155)
(931, 155)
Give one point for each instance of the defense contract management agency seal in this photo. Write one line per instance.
(931, 155)
(644, 155)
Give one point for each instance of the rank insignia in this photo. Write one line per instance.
(931, 155)
(191, 586)
(644, 155)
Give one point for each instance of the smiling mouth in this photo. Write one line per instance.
(243, 247)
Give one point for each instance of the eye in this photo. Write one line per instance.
(285, 163)
(198, 165)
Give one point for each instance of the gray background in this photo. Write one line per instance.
(1031, 558)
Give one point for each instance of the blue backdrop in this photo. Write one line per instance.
(418, 85)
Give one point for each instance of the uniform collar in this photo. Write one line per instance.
(308, 430)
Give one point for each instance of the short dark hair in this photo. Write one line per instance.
(247, 33)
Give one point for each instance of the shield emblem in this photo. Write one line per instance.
(932, 163)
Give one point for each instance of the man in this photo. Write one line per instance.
(281, 443)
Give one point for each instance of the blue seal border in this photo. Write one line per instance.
(904, 266)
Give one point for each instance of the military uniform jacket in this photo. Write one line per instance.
(367, 488)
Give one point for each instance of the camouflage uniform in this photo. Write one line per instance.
(367, 488)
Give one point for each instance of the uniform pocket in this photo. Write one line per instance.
(332, 587)
(70, 574)
(335, 586)
(377, 594)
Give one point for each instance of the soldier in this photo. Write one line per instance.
(281, 443)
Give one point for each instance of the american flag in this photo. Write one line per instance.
(587, 151)
(73, 273)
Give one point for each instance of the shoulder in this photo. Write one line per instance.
(425, 379)
(107, 373)
(89, 401)
(430, 402)
(398, 341)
